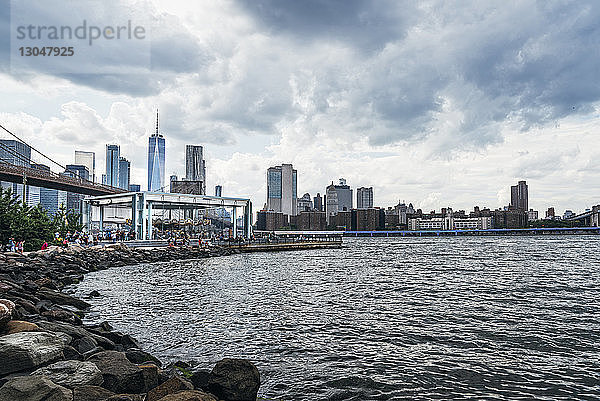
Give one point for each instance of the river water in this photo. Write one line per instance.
(379, 319)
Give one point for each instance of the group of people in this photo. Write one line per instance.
(15, 246)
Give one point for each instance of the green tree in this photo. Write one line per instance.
(67, 220)
(8, 207)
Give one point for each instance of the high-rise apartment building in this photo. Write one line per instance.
(282, 189)
(87, 159)
(364, 198)
(112, 165)
(124, 173)
(156, 160)
(195, 166)
(519, 197)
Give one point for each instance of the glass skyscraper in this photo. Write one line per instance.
(124, 173)
(156, 161)
(112, 165)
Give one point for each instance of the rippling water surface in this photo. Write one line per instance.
(380, 319)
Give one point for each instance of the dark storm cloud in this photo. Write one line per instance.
(4, 35)
(173, 50)
(365, 24)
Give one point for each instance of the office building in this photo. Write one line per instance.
(124, 173)
(156, 160)
(78, 170)
(364, 198)
(195, 166)
(134, 188)
(550, 214)
(519, 197)
(18, 154)
(282, 189)
(338, 198)
(87, 159)
(15, 152)
(318, 203)
(218, 190)
(112, 166)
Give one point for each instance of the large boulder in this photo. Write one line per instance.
(28, 350)
(234, 380)
(189, 395)
(72, 374)
(91, 393)
(171, 386)
(34, 388)
(85, 344)
(61, 298)
(19, 326)
(119, 374)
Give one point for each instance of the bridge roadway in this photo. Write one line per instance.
(48, 179)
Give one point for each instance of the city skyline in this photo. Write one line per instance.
(459, 124)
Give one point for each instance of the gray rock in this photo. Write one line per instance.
(60, 298)
(91, 393)
(84, 344)
(71, 374)
(27, 350)
(138, 356)
(72, 354)
(234, 380)
(34, 388)
(73, 331)
(120, 375)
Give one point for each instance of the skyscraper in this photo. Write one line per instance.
(195, 166)
(156, 160)
(318, 202)
(112, 165)
(218, 190)
(519, 196)
(87, 159)
(124, 173)
(282, 189)
(18, 154)
(364, 198)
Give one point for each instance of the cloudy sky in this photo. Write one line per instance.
(436, 103)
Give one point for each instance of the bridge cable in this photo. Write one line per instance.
(22, 141)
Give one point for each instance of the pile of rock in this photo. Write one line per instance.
(47, 353)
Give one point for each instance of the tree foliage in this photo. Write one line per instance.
(32, 224)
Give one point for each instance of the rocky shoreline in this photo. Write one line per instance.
(48, 354)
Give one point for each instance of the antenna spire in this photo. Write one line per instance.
(157, 121)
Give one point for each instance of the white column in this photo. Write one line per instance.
(101, 218)
(234, 218)
(149, 223)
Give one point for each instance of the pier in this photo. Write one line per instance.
(262, 242)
